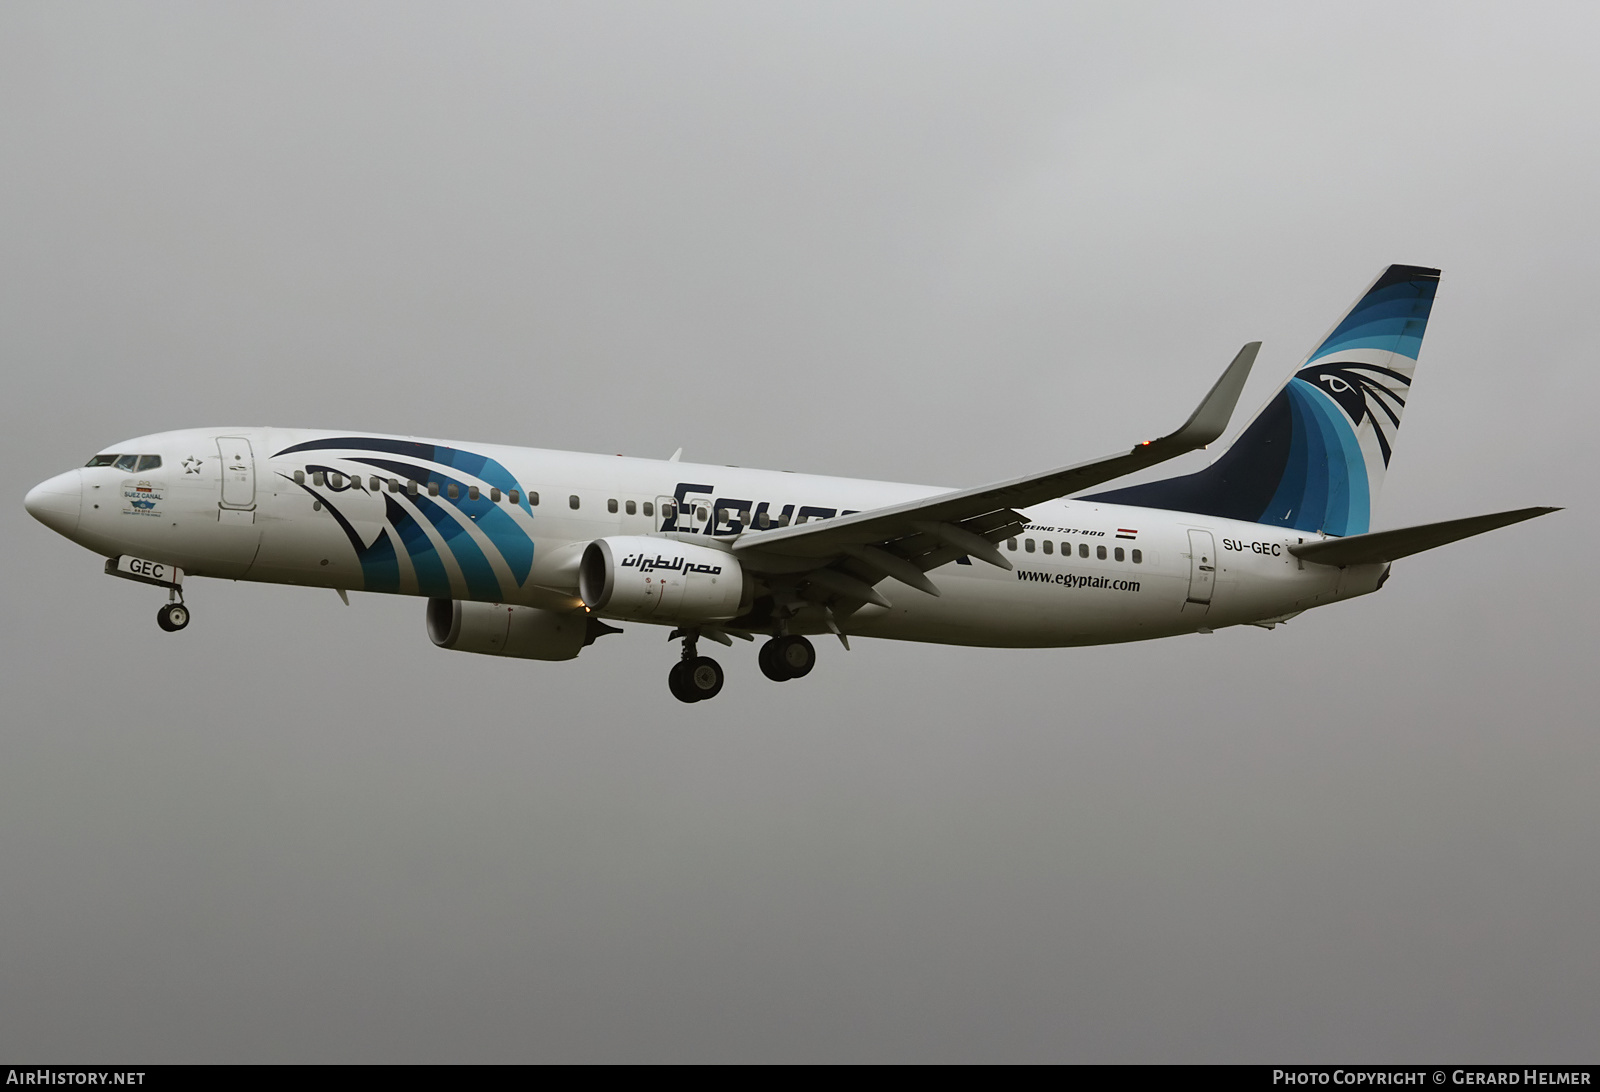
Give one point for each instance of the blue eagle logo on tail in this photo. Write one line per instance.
(1361, 392)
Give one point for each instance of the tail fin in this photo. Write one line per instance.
(1314, 456)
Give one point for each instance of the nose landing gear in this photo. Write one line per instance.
(172, 617)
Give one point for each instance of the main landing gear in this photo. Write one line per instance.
(695, 677)
(788, 657)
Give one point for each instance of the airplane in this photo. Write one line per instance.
(531, 553)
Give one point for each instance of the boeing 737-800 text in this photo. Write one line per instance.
(530, 553)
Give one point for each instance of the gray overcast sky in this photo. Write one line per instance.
(935, 243)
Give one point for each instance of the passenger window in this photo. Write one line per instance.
(472, 492)
(572, 502)
(149, 462)
(494, 493)
(514, 496)
(318, 478)
(611, 506)
(374, 483)
(452, 491)
(1138, 558)
(411, 487)
(1100, 552)
(101, 460)
(763, 520)
(1118, 553)
(649, 508)
(433, 489)
(1083, 549)
(1027, 544)
(1011, 544)
(668, 510)
(1047, 546)
(299, 477)
(127, 462)
(632, 508)
(533, 497)
(701, 513)
(394, 485)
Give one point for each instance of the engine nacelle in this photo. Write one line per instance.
(661, 580)
(502, 629)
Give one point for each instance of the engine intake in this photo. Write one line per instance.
(503, 629)
(662, 580)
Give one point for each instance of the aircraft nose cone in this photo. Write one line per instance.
(57, 502)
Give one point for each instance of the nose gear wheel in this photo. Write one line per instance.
(172, 617)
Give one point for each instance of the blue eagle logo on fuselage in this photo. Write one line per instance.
(453, 491)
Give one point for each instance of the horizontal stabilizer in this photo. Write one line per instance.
(1390, 545)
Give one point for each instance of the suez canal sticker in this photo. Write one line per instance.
(142, 498)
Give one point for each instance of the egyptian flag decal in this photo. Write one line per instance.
(1127, 532)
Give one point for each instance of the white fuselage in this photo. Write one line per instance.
(245, 504)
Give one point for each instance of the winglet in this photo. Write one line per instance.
(1210, 418)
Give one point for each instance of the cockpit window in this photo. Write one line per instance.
(149, 462)
(127, 462)
(101, 460)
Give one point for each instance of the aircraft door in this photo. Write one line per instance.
(238, 473)
(230, 548)
(1202, 566)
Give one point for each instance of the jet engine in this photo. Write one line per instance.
(662, 580)
(503, 629)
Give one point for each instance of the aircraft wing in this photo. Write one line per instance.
(906, 540)
(1380, 546)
